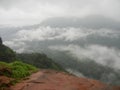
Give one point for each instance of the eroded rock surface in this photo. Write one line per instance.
(53, 80)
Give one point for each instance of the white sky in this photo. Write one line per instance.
(24, 12)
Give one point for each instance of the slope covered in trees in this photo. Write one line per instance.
(39, 60)
(6, 54)
(36, 59)
(14, 67)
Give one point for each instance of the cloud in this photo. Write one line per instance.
(100, 54)
(18, 46)
(66, 34)
(75, 72)
(22, 12)
(19, 38)
(27, 12)
(103, 54)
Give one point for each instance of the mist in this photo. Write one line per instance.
(70, 32)
(29, 12)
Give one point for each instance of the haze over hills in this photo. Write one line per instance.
(72, 40)
(82, 36)
(91, 22)
(11, 72)
(94, 22)
(14, 68)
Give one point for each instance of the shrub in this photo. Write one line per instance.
(5, 69)
(21, 70)
(16, 69)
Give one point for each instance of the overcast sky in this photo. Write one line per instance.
(24, 12)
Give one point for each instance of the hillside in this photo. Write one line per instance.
(6, 54)
(15, 67)
(15, 75)
(11, 69)
(39, 60)
(11, 73)
(88, 68)
(36, 59)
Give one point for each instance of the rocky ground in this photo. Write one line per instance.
(53, 80)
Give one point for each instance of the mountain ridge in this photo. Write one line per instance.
(93, 22)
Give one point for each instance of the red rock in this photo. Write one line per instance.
(4, 80)
(52, 80)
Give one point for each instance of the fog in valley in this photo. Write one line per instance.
(83, 36)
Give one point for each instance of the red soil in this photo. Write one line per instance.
(4, 80)
(53, 80)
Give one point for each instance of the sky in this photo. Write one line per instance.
(29, 12)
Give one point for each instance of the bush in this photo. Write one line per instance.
(5, 69)
(21, 70)
(18, 69)
(3, 64)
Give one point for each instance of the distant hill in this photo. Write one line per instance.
(6, 54)
(39, 60)
(36, 59)
(92, 22)
(87, 68)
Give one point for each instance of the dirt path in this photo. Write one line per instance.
(53, 80)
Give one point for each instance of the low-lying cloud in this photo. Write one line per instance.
(100, 54)
(70, 34)
(67, 34)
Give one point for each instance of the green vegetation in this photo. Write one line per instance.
(21, 70)
(13, 72)
(87, 67)
(36, 59)
(5, 69)
(100, 72)
(16, 69)
(6, 54)
(40, 61)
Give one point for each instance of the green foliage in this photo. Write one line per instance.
(4, 69)
(3, 64)
(36, 59)
(21, 70)
(106, 74)
(6, 54)
(40, 61)
(18, 69)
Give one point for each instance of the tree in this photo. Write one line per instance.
(0, 40)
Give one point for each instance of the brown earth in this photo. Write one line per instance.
(53, 80)
(4, 80)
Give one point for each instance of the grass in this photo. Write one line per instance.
(21, 70)
(16, 69)
(5, 69)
